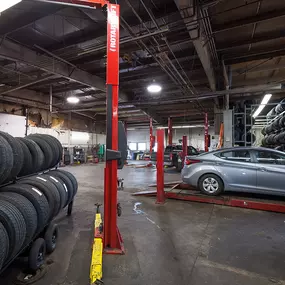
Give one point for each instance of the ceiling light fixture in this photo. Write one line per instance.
(4, 5)
(72, 100)
(264, 102)
(154, 88)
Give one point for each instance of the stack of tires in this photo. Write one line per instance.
(274, 133)
(24, 156)
(26, 211)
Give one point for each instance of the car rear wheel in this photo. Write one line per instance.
(211, 184)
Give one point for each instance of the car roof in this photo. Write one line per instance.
(247, 148)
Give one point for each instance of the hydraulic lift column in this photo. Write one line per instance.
(160, 195)
(150, 135)
(206, 128)
(170, 134)
(112, 239)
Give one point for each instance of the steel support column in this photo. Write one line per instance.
(160, 196)
(170, 131)
(206, 127)
(112, 238)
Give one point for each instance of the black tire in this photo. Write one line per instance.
(27, 167)
(46, 149)
(15, 225)
(48, 189)
(53, 146)
(37, 254)
(6, 159)
(27, 210)
(18, 156)
(50, 237)
(59, 146)
(282, 122)
(72, 179)
(36, 152)
(275, 125)
(4, 248)
(67, 183)
(62, 191)
(36, 197)
(215, 182)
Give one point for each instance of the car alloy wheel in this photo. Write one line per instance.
(210, 185)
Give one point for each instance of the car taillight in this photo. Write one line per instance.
(189, 161)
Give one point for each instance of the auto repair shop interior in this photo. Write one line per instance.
(142, 142)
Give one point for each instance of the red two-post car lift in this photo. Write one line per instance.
(112, 239)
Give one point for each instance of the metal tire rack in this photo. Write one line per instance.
(36, 257)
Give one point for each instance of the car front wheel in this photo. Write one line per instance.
(211, 184)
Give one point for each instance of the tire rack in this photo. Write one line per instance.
(41, 234)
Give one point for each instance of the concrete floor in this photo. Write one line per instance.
(177, 243)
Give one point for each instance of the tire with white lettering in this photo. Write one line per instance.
(67, 182)
(48, 189)
(72, 179)
(36, 197)
(61, 188)
(27, 210)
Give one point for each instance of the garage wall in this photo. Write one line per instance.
(13, 124)
(195, 136)
(71, 138)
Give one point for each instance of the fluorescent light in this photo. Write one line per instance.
(264, 102)
(4, 5)
(154, 88)
(72, 100)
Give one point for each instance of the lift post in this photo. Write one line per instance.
(206, 128)
(184, 147)
(112, 238)
(170, 131)
(160, 195)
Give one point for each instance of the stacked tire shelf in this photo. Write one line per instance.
(274, 131)
(32, 193)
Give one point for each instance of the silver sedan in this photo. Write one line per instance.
(242, 169)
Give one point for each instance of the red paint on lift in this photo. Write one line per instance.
(160, 196)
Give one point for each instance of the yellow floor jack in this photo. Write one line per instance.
(96, 273)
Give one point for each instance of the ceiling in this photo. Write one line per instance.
(198, 51)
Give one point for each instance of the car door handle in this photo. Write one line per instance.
(262, 169)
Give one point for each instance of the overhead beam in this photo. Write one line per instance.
(189, 14)
(248, 21)
(27, 15)
(257, 55)
(14, 51)
(5, 90)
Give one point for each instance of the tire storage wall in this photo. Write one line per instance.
(274, 132)
(36, 196)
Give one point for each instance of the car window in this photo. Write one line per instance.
(270, 157)
(192, 150)
(236, 155)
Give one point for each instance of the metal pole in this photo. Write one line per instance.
(206, 127)
(170, 131)
(150, 135)
(160, 196)
(184, 147)
(50, 99)
(113, 243)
